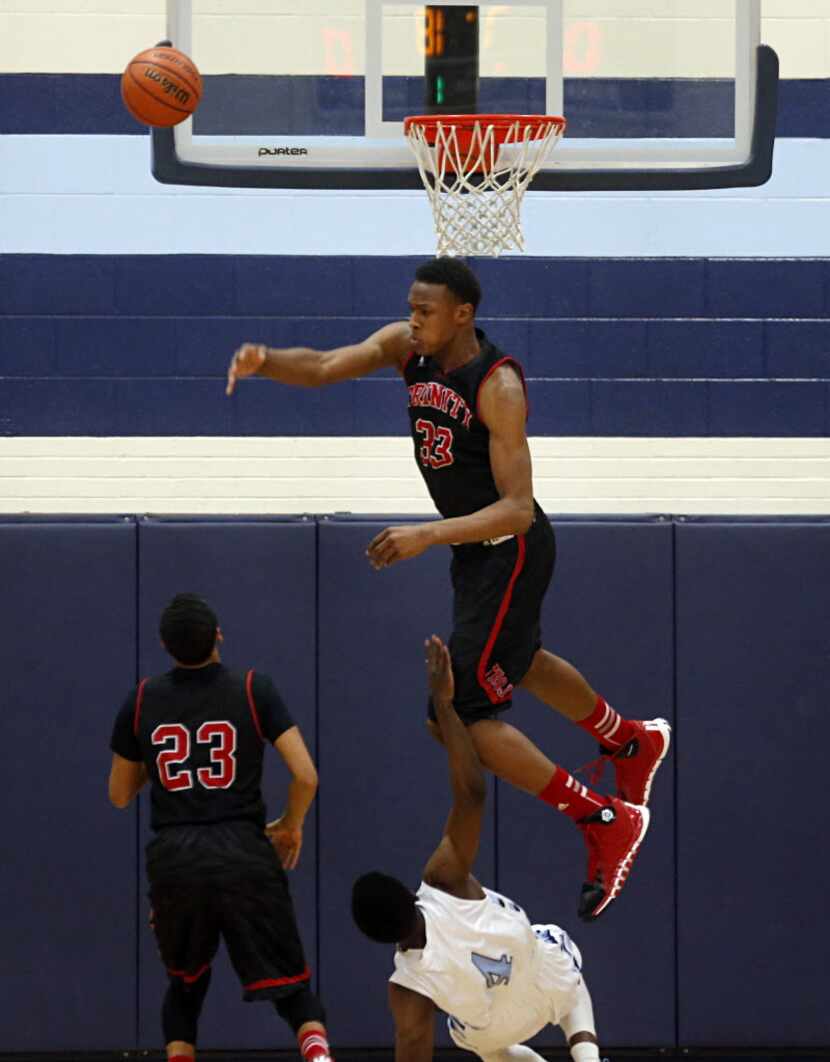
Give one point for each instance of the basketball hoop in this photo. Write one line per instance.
(476, 169)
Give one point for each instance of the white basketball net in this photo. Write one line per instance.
(476, 192)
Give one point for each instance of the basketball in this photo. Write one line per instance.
(161, 87)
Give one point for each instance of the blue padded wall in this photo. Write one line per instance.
(753, 676)
(67, 921)
(385, 788)
(609, 612)
(261, 579)
(717, 939)
(139, 344)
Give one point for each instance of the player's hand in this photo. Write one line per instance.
(439, 671)
(248, 360)
(287, 839)
(397, 544)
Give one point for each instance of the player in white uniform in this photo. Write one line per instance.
(462, 948)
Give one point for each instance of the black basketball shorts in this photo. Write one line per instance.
(498, 592)
(224, 881)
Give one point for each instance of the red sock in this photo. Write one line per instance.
(607, 726)
(565, 793)
(313, 1044)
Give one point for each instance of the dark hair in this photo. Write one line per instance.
(454, 275)
(383, 907)
(188, 629)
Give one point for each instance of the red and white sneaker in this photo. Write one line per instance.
(613, 833)
(636, 762)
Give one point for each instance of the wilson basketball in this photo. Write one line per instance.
(161, 86)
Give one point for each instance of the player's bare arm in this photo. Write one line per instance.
(306, 367)
(503, 408)
(126, 780)
(449, 867)
(286, 832)
(414, 1017)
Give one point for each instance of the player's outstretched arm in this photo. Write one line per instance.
(414, 1017)
(305, 367)
(286, 832)
(450, 865)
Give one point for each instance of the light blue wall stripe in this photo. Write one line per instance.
(74, 194)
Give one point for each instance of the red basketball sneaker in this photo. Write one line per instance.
(636, 762)
(613, 834)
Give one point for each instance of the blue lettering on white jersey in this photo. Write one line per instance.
(494, 971)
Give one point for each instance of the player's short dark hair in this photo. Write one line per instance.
(383, 907)
(454, 275)
(188, 629)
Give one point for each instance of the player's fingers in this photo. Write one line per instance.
(231, 376)
(377, 541)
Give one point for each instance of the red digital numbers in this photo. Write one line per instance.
(435, 24)
(221, 773)
(436, 450)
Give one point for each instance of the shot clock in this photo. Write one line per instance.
(451, 59)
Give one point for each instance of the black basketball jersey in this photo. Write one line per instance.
(201, 733)
(452, 446)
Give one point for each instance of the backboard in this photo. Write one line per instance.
(658, 94)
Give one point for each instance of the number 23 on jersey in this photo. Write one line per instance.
(175, 742)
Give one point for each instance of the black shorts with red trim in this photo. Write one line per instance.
(498, 593)
(224, 882)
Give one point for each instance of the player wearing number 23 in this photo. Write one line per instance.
(468, 410)
(198, 733)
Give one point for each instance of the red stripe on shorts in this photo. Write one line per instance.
(276, 982)
(190, 978)
(481, 673)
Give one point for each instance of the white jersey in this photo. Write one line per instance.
(499, 979)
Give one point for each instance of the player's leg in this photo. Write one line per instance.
(260, 930)
(613, 829)
(495, 636)
(187, 935)
(635, 747)
(514, 650)
(304, 1012)
(180, 1013)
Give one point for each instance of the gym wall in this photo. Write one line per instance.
(718, 625)
(677, 354)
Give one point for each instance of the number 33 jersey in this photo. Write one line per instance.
(452, 445)
(201, 733)
(488, 968)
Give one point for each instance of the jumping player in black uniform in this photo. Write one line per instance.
(198, 734)
(468, 408)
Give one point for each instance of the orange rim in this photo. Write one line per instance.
(467, 123)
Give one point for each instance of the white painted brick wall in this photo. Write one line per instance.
(378, 475)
